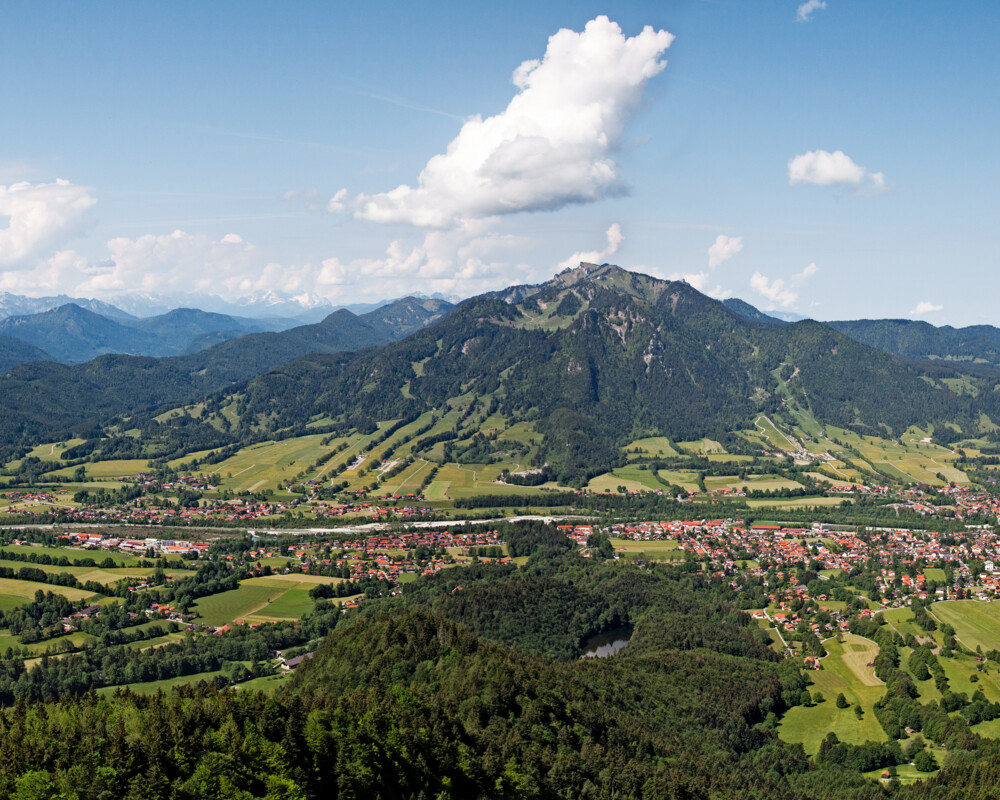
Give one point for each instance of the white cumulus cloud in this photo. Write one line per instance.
(177, 261)
(724, 248)
(466, 259)
(552, 146)
(807, 9)
(924, 307)
(823, 168)
(778, 292)
(615, 238)
(40, 217)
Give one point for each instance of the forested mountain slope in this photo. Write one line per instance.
(918, 339)
(45, 401)
(73, 334)
(14, 351)
(599, 356)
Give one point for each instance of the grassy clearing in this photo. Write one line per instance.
(797, 502)
(665, 550)
(466, 480)
(27, 589)
(751, 482)
(84, 574)
(267, 684)
(152, 687)
(975, 623)
(291, 604)
(121, 559)
(700, 447)
(844, 670)
(264, 466)
(632, 478)
(772, 435)
(901, 620)
(226, 607)
(115, 468)
(654, 446)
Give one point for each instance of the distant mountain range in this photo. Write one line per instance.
(906, 338)
(43, 400)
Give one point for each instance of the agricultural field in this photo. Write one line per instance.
(152, 687)
(772, 435)
(84, 574)
(901, 621)
(409, 480)
(113, 468)
(266, 599)
(465, 480)
(844, 670)
(659, 550)
(700, 447)
(632, 478)
(264, 466)
(25, 590)
(976, 624)
(223, 608)
(655, 446)
(120, 559)
(758, 483)
(796, 502)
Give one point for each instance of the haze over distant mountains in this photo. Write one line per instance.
(75, 332)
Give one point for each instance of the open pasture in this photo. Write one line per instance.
(152, 687)
(844, 670)
(465, 480)
(120, 559)
(113, 468)
(975, 623)
(11, 587)
(795, 502)
(654, 446)
(264, 466)
(759, 483)
(660, 550)
(632, 478)
(700, 447)
(226, 607)
(84, 574)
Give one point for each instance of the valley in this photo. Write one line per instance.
(525, 473)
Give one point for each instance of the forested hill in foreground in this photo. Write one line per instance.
(47, 401)
(599, 356)
(448, 694)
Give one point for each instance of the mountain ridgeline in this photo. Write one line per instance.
(599, 356)
(592, 359)
(44, 401)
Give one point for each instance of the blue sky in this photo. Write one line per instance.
(839, 163)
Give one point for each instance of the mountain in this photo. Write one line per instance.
(592, 359)
(598, 356)
(402, 317)
(262, 304)
(15, 305)
(14, 351)
(43, 401)
(747, 311)
(918, 339)
(74, 334)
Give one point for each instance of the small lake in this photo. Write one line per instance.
(607, 644)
